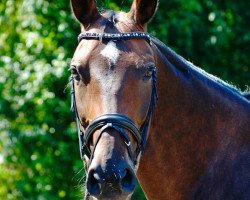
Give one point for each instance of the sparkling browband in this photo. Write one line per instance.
(115, 36)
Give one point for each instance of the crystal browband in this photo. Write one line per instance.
(115, 36)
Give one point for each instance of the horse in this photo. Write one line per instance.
(144, 112)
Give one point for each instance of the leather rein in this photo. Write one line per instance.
(114, 121)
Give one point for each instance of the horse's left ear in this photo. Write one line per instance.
(143, 10)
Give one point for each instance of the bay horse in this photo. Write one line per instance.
(144, 112)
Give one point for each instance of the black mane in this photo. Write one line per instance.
(187, 67)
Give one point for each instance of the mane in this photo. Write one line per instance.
(183, 65)
(246, 95)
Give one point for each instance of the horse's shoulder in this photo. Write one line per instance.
(227, 177)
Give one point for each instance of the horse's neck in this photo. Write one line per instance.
(188, 129)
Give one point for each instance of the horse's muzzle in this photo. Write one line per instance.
(115, 182)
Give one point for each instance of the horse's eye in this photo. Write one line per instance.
(74, 73)
(149, 72)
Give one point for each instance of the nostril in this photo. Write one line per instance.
(128, 181)
(93, 183)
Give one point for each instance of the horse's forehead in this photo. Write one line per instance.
(111, 52)
(83, 52)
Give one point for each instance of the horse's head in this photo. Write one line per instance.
(113, 86)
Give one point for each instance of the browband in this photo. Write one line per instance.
(115, 36)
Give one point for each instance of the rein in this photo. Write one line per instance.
(115, 121)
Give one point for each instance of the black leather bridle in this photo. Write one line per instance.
(115, 121)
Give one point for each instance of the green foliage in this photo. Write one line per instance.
(39, 157)
(38, 139)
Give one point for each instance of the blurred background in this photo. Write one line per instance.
(39, 154)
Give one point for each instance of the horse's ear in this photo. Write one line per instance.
(143, 10)
(85, 11)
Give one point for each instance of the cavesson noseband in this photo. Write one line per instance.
(115, 121)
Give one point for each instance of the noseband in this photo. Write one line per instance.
(115, 121)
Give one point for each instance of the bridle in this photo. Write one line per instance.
(115, 121)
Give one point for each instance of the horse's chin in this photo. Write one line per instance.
(122, 197)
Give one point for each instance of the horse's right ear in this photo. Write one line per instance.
(85, 11)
